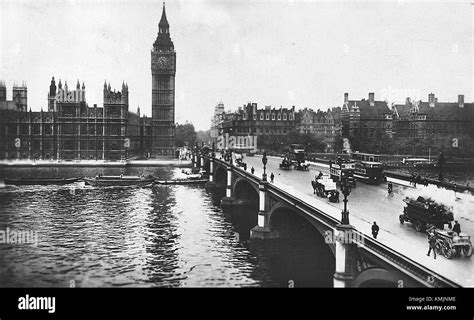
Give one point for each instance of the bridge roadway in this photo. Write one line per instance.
(369, 203)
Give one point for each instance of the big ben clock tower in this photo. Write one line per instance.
(163, 70)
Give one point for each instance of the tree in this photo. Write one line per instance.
(311, 142)
(185, 135)
(204, 137)
(338, 143)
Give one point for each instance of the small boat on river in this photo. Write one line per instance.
(41, 181)
(119, 180)
(181, 181)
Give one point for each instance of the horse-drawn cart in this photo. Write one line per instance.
(324, 187)
(449, 243)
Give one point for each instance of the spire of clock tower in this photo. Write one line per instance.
(164, 25)
(163, 41)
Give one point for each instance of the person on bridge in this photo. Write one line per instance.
(375, 230)
(390, 187)
(252, 170)
(456, 228)
(319, 175)
(272, 176)
(432, 242)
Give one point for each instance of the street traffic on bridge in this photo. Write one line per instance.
(372, 203)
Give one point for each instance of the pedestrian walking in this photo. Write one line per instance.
(432, 243)
(375, 230)
(272, 176)
(252, 170)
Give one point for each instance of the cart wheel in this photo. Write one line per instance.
(467, 251)
(458, 250)
(401, 218)
(418, 226)
(448, 253)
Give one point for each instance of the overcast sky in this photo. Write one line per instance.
(279, 53)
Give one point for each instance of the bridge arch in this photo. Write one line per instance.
(243, 189)
(377, 277)
(303, 252)
(321, 229)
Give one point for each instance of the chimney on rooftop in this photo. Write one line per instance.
(346, 97)
(407, 101)
(371, 99)
(461, 100)
(431, 100)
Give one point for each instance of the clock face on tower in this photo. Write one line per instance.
(163, 62)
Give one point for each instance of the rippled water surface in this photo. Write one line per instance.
(168, 236)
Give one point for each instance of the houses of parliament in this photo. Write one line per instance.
(70, 129)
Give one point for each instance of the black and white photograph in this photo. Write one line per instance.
(237, 144)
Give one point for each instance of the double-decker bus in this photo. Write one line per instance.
(368, 167)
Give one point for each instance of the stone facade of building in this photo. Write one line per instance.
(70, 129)
(325, 125)
(432, 119)
(216, 121)
(366, 118)
(249, 120)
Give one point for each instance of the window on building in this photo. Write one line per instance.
(47, 145)
(254, 116)
(284, 117)
(23, 129)
(47, 128)
(68, 128)
(273, 116)
(69, 145)
(279, 116)
(261, 115)
(267, 116)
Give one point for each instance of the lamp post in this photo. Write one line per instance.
(346, 190)
(264, 161)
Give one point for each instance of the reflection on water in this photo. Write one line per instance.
(158, 236)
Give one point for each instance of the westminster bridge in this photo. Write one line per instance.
(358, 259)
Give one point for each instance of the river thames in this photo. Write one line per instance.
(161, 236)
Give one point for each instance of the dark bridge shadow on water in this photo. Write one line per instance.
(299, 257)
